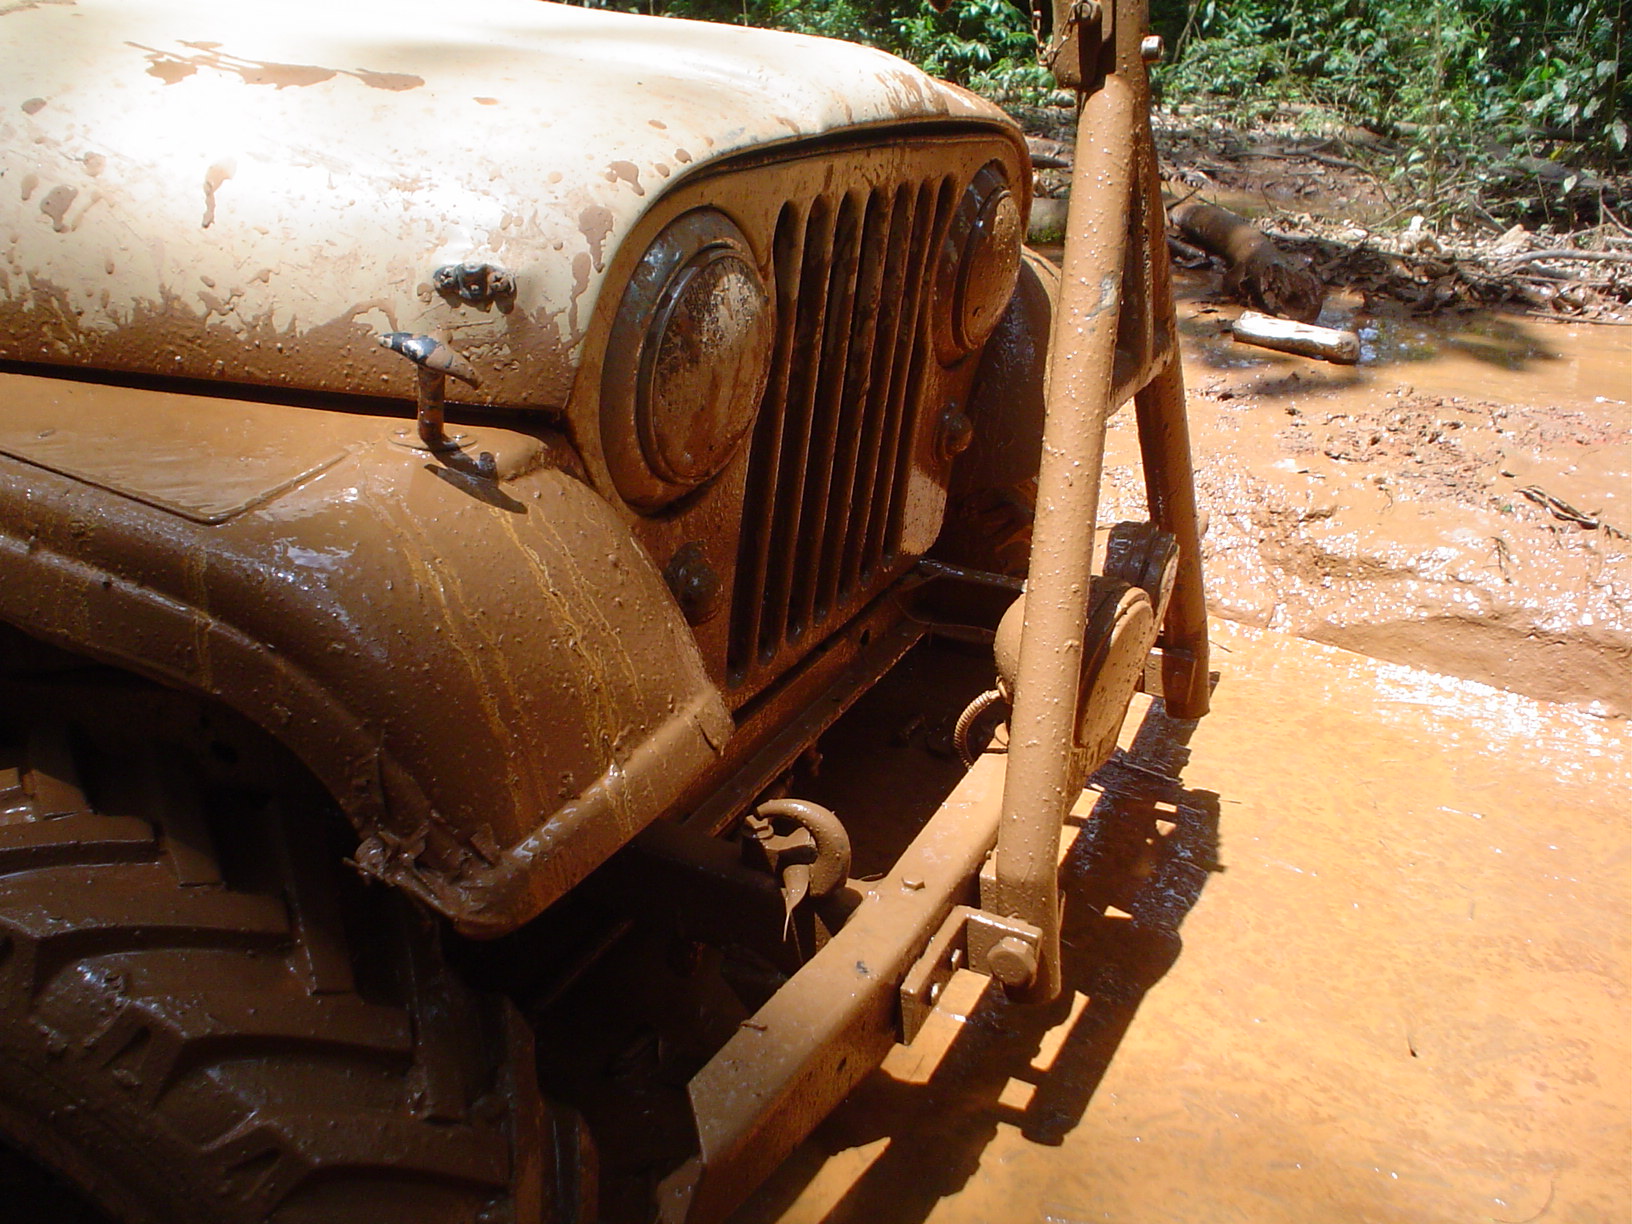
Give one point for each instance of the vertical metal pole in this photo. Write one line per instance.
(1035, 793)
(1170, 489)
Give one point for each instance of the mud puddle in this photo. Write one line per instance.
(1354, 947)
(1490, 353)
(1458, 501)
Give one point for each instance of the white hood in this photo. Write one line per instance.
(218, 188)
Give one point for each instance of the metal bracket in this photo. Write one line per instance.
(1144, 555)
(479, 284)
(1072, 42)
(1171, 670)
(970, 938)
(921, 988)
(1003, 948)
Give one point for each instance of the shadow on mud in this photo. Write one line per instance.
(1137, 870)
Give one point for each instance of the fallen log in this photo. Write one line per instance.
(1570, 253)
(1305, 339)
(1256, 273)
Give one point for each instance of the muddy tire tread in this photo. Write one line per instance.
(184, 1019)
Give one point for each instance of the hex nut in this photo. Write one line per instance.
(1013, 962)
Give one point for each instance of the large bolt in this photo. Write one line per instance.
(1151, 48)
(957, 432)
(1013, 962)
(695, 585)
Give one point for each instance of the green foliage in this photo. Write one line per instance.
(986, 44)
(971, 38)
(1467, 68)
(1476, 86)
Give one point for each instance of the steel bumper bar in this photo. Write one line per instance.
(792, 1063)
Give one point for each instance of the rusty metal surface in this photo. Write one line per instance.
(489, 675)
(212, 463)
(773, 732)
(1073, 34)
(202, 190)
(1170, 486)
(993, 495)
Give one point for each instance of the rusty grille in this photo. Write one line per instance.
(821, 527)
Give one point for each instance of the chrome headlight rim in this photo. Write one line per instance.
(697, 281)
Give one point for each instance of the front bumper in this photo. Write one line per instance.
(792, 1063)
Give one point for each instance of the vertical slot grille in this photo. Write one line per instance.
(832, 446)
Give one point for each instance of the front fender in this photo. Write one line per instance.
(489, 675)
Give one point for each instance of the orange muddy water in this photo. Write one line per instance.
(1353, 948)
(1357, 946)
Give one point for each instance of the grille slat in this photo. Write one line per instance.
(829, 406)
(884, 515)
(763, 479)
(824, 497)
(856, 561)
(853, 415)
(792, 455)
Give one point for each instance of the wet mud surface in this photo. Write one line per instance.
(1354, 947)
(1358, 945)
(1458, 501)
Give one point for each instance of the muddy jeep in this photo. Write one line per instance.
(457, 465)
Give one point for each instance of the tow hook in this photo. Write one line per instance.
(803, 844)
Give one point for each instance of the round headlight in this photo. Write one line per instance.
(980, 260)
(686, 362)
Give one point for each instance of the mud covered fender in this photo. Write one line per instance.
(488, 674)
(994, 482)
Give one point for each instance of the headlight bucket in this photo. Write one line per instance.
(979, 263)
(686, 361)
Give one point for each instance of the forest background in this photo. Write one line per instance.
(1483, 88)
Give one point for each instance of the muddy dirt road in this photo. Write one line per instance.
(1357, 946)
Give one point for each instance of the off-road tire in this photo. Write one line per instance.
(204, 1016)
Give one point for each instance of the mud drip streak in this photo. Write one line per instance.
(606, 708)
(198, 591)
(430, 578)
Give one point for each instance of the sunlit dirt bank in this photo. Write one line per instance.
(1352, 948)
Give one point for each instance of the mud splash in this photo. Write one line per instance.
(1459, 501)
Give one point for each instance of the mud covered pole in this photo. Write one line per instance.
(1036, 792)
(1170, 486)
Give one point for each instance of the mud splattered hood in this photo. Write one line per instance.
(252, 191)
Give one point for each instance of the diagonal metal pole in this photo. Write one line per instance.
(1170, 488)
(1035, 795)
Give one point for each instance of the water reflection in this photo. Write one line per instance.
(1488, 353)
